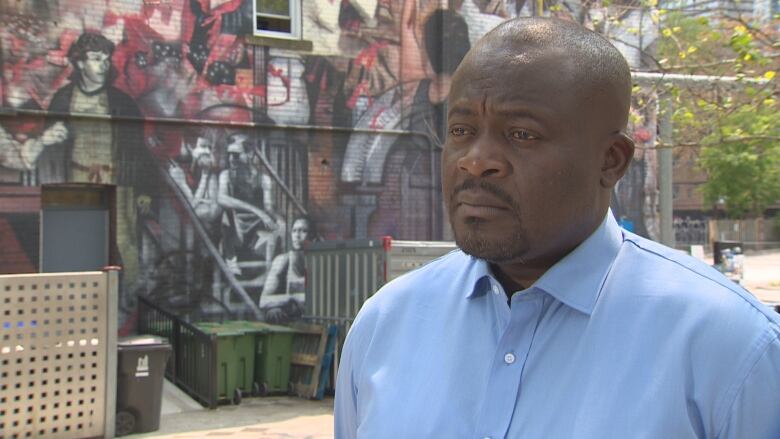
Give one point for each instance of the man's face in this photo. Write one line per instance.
(521, 162)
(300, 230)
(95, 66)
(202, 151)
(237, 153)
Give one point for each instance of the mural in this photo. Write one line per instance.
(228, 156)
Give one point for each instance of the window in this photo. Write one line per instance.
(278, 18)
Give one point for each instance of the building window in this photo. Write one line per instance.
(278, 18)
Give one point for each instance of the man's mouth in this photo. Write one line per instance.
(479, 204)
(480, 210)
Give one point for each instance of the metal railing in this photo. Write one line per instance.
(193, 364)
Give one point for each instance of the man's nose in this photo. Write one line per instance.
(485, 159)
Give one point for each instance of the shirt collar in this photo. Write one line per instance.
(480, 277)
(576, 280)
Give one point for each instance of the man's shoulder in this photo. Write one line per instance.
(60, 101)
(434, 279)
(665, 273)
(121, 103)
(428, 290)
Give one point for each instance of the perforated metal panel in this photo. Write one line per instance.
(57, 355)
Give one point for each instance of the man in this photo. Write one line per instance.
(552, 322)
(97, 152)
(245, 197)
(204, 199)
(284, 290)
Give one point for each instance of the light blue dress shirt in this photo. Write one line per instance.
(623, 338)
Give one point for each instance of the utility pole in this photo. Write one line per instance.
(665, 139)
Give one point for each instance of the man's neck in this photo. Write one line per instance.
(90, 87)
(520, 273)
(516, 277)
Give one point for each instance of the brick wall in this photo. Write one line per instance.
(217, 144)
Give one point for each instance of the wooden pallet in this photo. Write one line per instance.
(312, 352)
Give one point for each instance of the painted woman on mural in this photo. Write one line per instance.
(99, 151)
(284, 290)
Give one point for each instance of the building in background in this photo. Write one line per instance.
(224, 121)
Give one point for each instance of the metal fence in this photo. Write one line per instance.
(755, 234)
(342, 275)
(58, 362)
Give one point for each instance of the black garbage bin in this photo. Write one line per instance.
(141, 361)
(718, 248)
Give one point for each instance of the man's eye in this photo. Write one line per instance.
(458, 131)
(521, 135)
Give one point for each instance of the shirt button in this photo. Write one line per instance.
(509, 358)
(495, 290)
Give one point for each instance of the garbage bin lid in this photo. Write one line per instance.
(142, 340)
(257, 327)
(278, 328)
(219, 329)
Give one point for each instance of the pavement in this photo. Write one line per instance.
(287, 417)
(274, 417)
(762, 276)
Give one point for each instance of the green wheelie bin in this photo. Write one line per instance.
(273, 350)
(235, 360)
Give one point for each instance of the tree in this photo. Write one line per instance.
(736, 129)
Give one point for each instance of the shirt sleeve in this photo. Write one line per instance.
(345, 405)
(755, 412)
(346, 410)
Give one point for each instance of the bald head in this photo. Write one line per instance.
(588, 65)
(535, 143)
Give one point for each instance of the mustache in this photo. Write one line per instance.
(474, 183)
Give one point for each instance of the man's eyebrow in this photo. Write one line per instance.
(517, 114)
(461, 110)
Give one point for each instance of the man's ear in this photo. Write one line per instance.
(616, 159)
(80, 64)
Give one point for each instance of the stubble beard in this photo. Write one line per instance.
(470, 235)
(471, 239)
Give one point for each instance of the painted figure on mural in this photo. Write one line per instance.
(429, 64)
(25, 76)
(284, 290)
(248, 223)
(96, 152)
(482, 15)
(22, 154)
(202, 173)
(99, 151)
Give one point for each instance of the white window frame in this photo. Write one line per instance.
(295, 22)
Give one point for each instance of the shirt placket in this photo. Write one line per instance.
(504, 383)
